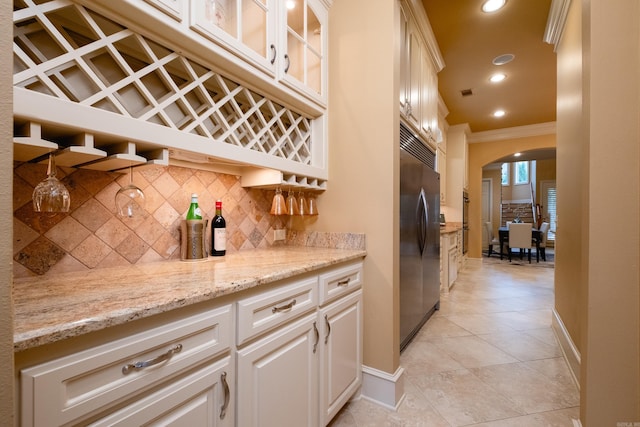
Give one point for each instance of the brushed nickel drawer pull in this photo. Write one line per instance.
(326, 321)
(284, 307)
(344, 282)
(227, 395)
(317, 333)
(140, 365)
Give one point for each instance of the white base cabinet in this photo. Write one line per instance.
(199, 399)
(301, 372)
(141, 377)
(277, 381)
(340, 354)
(289, 354)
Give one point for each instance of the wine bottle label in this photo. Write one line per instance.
(220, 239)
(198, 212)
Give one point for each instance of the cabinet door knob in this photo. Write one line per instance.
(227, 395)
(146, 363)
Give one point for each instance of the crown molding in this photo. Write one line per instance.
(556, 22)
(513, 133)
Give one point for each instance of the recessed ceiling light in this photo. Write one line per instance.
(498, 77)
(291, 4)
(503, 59)
(499, 113)
(517, 155)
(492, 5)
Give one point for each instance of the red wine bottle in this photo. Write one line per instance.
(218, 232)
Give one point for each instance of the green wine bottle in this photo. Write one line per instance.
(194, 210)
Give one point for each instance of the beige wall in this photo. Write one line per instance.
(363, 160)
(481, 154)
(598, 239)
(6, 224)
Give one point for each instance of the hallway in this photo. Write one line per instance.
(488, 358)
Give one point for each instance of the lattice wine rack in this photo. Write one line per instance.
(66, 51)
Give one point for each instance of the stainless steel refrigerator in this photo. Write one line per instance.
(419, 236)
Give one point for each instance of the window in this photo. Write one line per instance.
(505, 173)
(522, 173)
(551, 209)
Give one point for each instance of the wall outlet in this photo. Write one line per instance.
(279, 235)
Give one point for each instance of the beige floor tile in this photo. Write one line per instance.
(424, 358)
(472, 351)
(522, 346)
(439, 327)
(462, 398)
(481, 323)
(526, 388)
(560, 418)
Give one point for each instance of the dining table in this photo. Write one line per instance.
(503, 236)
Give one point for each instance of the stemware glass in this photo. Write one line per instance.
(312, 208)
(292, 204)
(278, 206)
(50, 195)
(302, 204)
(130, 200)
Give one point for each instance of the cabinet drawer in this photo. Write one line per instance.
(74, 386)
(270, 309)
(202, 398)
(340, 281)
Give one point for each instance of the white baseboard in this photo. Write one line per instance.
(382, 388)
(569, 349)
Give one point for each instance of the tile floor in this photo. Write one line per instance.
(488, 358)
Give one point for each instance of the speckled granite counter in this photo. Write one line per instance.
(68, 305)
(450, 227)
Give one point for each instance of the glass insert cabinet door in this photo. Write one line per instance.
(305, 33)
(242, 25)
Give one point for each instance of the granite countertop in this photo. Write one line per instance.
(450, 227)
(49, 309)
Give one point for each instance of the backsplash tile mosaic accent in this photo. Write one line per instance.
(91, 235)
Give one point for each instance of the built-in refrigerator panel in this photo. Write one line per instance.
(419, 240)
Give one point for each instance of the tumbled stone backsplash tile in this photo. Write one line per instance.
(91, 235)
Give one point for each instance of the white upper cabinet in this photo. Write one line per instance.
(246, 27)
(286, 39)
(420, 62)
(304, 64)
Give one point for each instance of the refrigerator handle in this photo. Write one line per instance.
(422, 214)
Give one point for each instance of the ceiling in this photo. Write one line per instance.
(470, 39)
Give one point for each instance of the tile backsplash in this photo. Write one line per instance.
(91, 235)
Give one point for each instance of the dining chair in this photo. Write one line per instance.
(544, 231)
(490, 238)
(520, 238)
